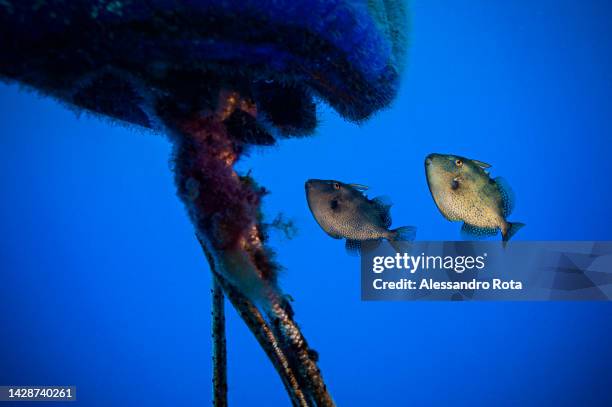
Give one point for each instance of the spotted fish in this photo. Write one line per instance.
(463, 191)
(344, 212)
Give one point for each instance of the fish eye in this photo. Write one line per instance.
(336, 185)
(458, 162)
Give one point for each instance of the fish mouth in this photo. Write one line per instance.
(432, 170)
(309, 184)
(430, 159)
(430, 164)
(434, 163)
(312, 183)
(309, 187)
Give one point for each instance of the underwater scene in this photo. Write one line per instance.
(187, 188)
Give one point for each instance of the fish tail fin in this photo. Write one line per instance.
(402, 235)
(511, 230)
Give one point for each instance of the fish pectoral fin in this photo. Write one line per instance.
(507, 195)
(481, 164)
(353, 247)
(470, 232)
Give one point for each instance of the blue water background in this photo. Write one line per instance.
(103, 286)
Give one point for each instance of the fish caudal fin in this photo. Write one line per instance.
(401, 236)
(511, 230)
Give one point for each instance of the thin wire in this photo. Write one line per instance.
(219, 346)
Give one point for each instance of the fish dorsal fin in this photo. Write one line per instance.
(481, 164)
(507, 195)
(353, 247)
(470, 231)
(359, 187)
(383, 204)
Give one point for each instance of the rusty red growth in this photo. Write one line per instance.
(219, 203)
(222, 205)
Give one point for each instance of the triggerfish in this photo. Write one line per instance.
(344, 212)
(464, 191)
